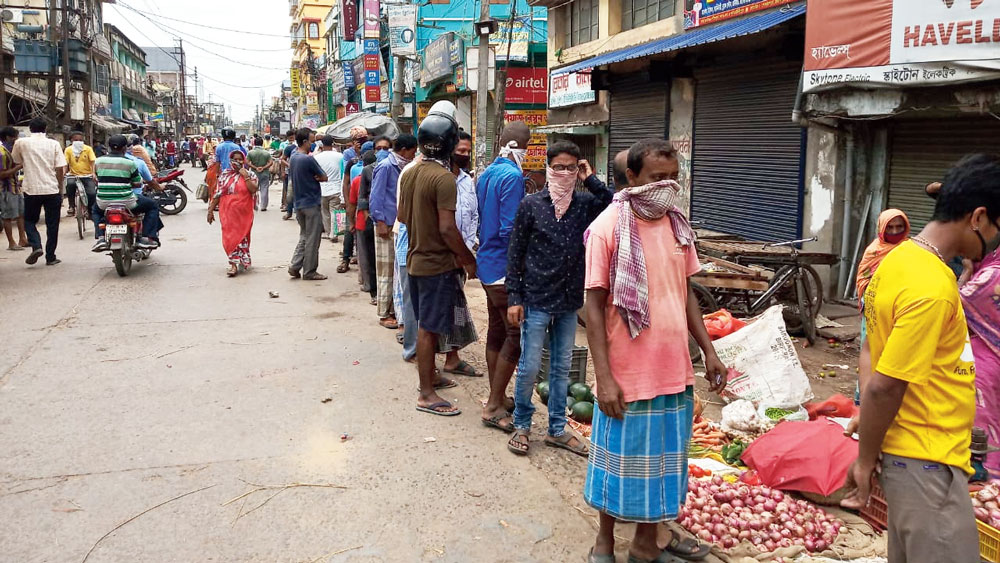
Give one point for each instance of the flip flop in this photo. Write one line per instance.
(463, 368)
(514, 439)
(688, 548)
(600, 557)
(563, 442)
(494, 422)
(445, 383)
(431, 409)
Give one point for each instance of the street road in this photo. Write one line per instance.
(119, 394)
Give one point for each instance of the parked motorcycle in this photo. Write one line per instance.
(172, 200)
(122, 229)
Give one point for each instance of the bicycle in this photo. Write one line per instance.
(82, 204)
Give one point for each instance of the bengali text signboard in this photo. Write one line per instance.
(704, 12)
(535, 159)
(570, 89)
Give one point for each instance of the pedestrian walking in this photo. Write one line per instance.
(500, 189)
(545, 275)
(382, 206)
(332, 162)
(427, 203)
(640, 254)
(919, 406)
(287, 191)
(80, 159)
(11, 198)
(171, 154)
(226, 148)
(259, 161)
(234, 196)
(44, 165)
(306, 175)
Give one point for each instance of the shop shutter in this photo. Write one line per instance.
(746, 170)
(638, 110)
(921, 151)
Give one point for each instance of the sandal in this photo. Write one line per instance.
(343, 268)
(516, 445)
(433, 409)
(494, 422)
(600, 557)
(581, 449)
(463, 368)
(233, 270)
(445, 383)
(687, 548)
(389, 323)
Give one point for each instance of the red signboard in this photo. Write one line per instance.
(527, 85)
(349, 15)
(373, 93)
(353, 108)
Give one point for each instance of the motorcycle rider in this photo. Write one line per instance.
(119, 181)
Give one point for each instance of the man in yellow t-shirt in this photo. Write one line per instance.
(917, 407)
(81, 158)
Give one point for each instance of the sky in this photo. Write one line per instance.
(237, 82)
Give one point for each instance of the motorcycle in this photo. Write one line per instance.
(122, 229)
(172, 200)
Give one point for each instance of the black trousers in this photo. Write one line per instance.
(33, 205)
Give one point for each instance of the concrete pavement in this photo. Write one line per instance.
(118, 394)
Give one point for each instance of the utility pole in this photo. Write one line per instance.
(67, 92)
(88, 125)
(501, 93)
(398, 85)
(483, 91)
(53, 43)
(183, 79)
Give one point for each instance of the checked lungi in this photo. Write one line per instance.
(637, 469)
(385, 264)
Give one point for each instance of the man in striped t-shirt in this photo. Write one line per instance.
(117, 176)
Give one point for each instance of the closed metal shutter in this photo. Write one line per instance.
(746, 170)
(923, 150)
(638, 110)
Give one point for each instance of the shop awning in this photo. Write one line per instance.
(106, 123)
(572, 128)
(701, 36)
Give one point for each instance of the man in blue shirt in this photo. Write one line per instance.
(382, 206)
(500, 189)
(306, 174)
(226, 148)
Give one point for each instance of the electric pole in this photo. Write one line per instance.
(183, 88)
(67, 92)
(483, 90)
(53, 44)
(398, 85)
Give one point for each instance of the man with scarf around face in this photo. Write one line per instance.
(500, 189)
(640, 309)
(382, 207)
(544, 282)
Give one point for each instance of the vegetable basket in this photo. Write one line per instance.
(989, 542)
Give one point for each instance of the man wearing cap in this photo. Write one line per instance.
(118, 178)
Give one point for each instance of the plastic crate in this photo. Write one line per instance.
(877, 511)
(989, 542)
(577, 365)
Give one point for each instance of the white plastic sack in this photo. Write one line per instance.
(764, 367)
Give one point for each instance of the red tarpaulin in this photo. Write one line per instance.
(803, 456)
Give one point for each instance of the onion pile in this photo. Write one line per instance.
(986, 504)
(726, 513)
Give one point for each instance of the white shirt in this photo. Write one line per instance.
(332, 163)
(467, 209)
(40, 156)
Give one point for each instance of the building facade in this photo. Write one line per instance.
(307, 31)
(131, 92)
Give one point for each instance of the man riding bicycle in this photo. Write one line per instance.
(80, 157)
(120, 181)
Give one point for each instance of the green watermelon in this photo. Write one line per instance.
(583, 411)
(543, 391)
(581, 392)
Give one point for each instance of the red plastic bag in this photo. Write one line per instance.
(722, 323)
(837, 406)
(803, 456)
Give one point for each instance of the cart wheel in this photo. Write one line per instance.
(804, 297)
(706, 301)
(788, 297)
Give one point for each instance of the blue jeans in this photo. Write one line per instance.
(407, 316)
(560, 329)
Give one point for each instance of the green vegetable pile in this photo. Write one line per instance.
(733, 452)
(775, 413)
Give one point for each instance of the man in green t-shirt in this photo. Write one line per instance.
(118, 180)
(260, 162)
(274, 143)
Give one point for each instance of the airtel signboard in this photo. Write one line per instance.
(527, 86)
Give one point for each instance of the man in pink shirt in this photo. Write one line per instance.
(640, 310)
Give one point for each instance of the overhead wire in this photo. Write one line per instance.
(176, 31)
(241, 31)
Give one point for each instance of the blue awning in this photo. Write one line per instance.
(701, 36)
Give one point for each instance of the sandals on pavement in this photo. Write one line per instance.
(600, 557)
(433, 409)
(581, 448)
(463, 368)
(516, 445)
(688, 548)
(389, 323)
(344, 267)
(494, 422)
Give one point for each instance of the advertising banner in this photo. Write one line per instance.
(912, 43)
(296, 85)
(358, 72)
(372, 74)
(312, 102)
(535, 158)
(349, 15)
(402, 29)
(519, 33)
(527, 85)
(348, 72)
(455, 49)
(331, 107)
(571, 89)
(436, 59)
(371, 13)
(704, 12)
(353, 108)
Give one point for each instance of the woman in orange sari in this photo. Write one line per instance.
(234, 195)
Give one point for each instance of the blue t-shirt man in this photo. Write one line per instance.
(223, 151)
(143, 171)
(303, 170)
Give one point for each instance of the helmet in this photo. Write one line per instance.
(438, 132)
(228, 134)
